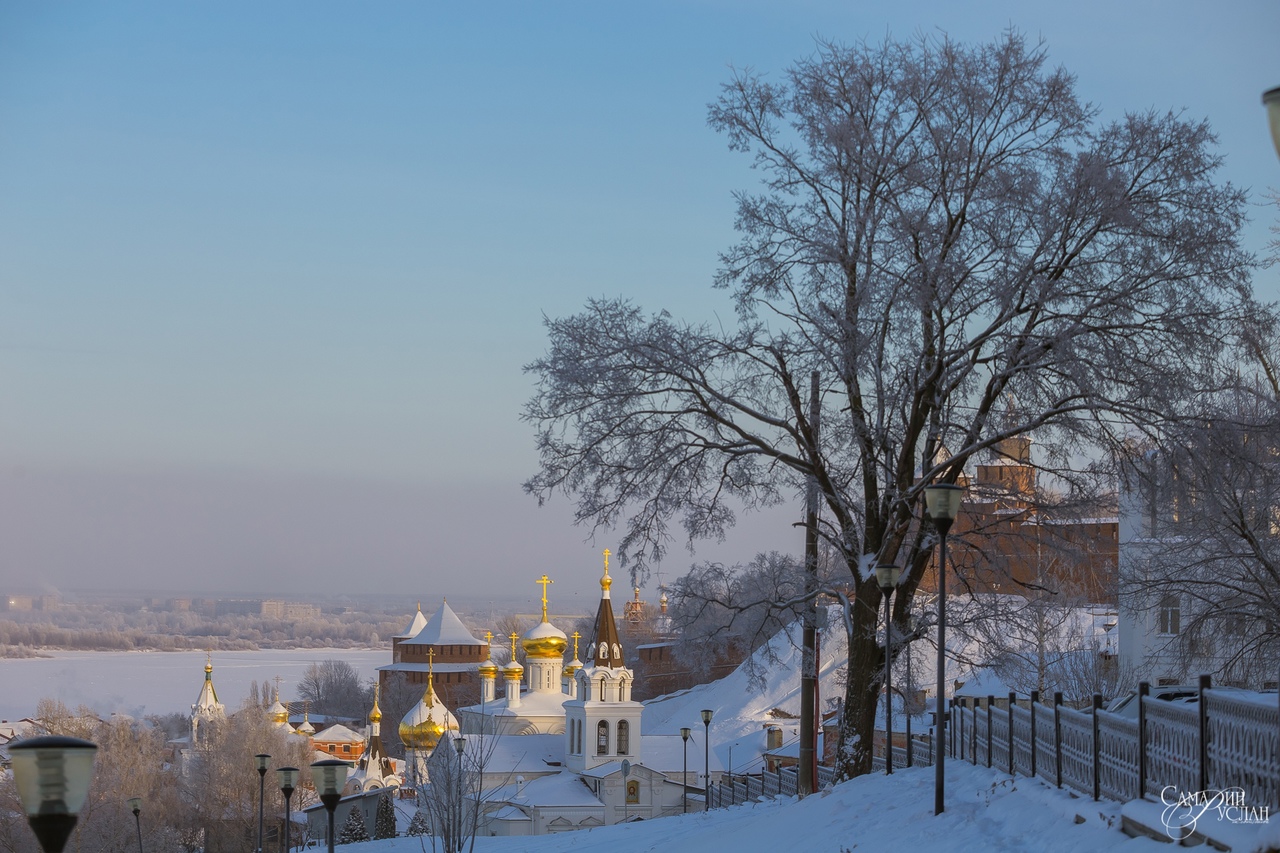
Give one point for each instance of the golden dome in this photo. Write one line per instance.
(513, 669)
(426, 722)
(545, 641)
(278, 713)
(488, 669)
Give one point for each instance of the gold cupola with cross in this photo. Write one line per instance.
(544, 641)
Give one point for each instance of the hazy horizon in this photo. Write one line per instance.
(272, 271)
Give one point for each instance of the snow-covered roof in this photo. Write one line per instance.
(560, 789)
(338, 733)
(539, 754)
(509, 813)
(419, 622)
(444, 628)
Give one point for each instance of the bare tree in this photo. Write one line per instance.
(1205, 564)
(724, 613)
(333, 687)
(942, 228)
(220, 786)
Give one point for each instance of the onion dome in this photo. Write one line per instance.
(375, 716)
(306, 728)
(426, 721)
(574, 665)
(544, 641)
(513, 669)
(278, 713)
(488, 669)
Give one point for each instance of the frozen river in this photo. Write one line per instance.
(138, 683)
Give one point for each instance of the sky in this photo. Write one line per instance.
(269, 273)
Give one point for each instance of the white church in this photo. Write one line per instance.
(567, 753)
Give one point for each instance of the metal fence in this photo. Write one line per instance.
(1222, 741)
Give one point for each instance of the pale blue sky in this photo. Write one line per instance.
(269, 271)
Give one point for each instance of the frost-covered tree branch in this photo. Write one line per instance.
(962, 250)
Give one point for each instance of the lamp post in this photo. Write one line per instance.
(684, 787)
(1271, 98)
(913, 625)
(459, 744)
(943, 503)
(706, 756)
(887, 579)
(263, 760)
(330, 777)
(135, 804)
(52, 776)
(288, 779)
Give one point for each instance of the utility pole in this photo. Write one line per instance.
(806, 778)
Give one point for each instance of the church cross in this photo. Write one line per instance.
(543, 581)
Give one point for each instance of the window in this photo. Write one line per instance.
(1170, 616)
(624, 737)
(602, 738)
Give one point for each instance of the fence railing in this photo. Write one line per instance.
(1222, 741)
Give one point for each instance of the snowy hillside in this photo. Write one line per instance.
(985, 811)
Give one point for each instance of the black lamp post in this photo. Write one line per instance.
(943, 503)
(263, 760)
(330, 777)
(288, 779)
(706, 755)
(684, 787)
(913, 625)
(459, 744)
(887, 579)
(52, 775)
(135, 805)
(1271, 98)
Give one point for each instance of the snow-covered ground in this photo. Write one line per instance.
(986, 811)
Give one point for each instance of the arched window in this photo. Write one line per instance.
(624, 738)
(602, 738)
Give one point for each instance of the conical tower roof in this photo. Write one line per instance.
(444, 628)
(419, 622)
(606, 647)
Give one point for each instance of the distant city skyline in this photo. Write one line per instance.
(271, 271)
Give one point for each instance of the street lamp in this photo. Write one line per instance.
(913, 625)
(135, 804)
(52, 776)
(942, 500)
(706, 756)
(684, 787)
(330, 777)
(1271, 98)
(288, 779)
(459, 744)
(263, 760)
(887, 579)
